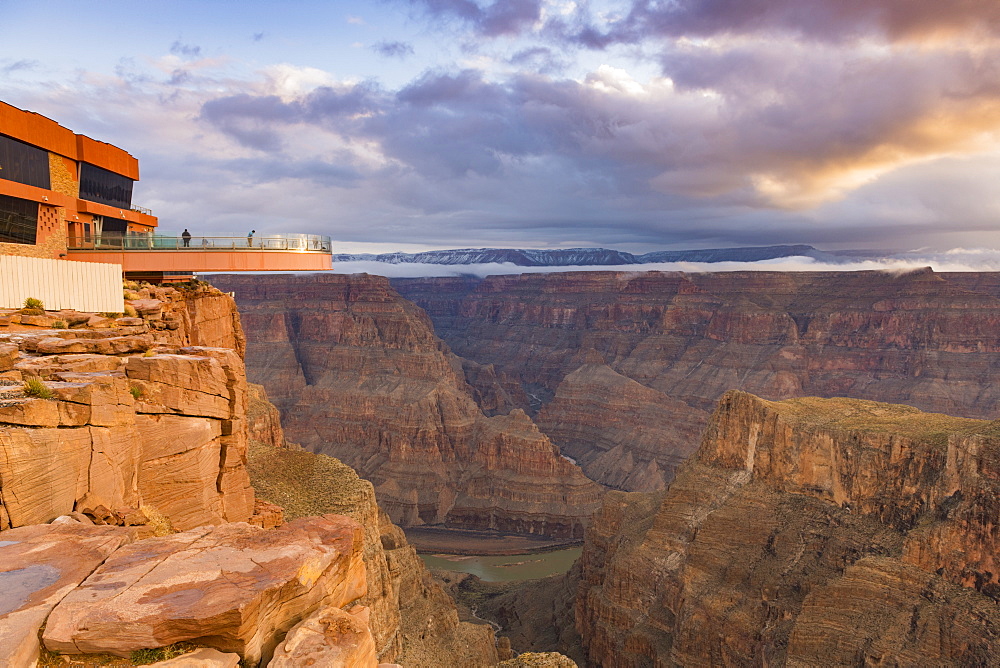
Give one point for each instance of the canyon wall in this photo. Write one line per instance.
(621, 370)
(359, 374)
(805, 532)
(128, 489)
(133, 421)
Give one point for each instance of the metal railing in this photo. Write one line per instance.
(159, 242)
(141, 209)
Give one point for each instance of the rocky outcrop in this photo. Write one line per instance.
(233, 587)
(538, 660)
(920, 338)
(39, 565)
(413, 621)
(166, 430)
(121, 424)
(263, 418)
(329, 637)
(863, 531)
(359, 374)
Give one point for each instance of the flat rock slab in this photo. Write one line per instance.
(39, 565)
(329, 637)
(202, 658)
(234, 587)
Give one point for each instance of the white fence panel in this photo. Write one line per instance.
(61, 284)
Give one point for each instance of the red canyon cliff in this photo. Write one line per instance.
(359, 374)
(128, 525)
(623, 368)
(806, 532)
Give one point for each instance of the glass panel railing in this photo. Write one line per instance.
(110, 241)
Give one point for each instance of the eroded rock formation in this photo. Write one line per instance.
(919, 338)
(413, 621)
(166, 430)
(359, 374)
(805, 532)
(124, 425)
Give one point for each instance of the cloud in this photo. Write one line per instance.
(539, 59)
(185, 50)
(824, 20)
(393, 49)
(501, 17)
(24, 65)
(956, 260)
(745, 135)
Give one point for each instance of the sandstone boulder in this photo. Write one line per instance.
(39, 565)
(233, 587)
(329, 637)
(538, 660)
(8, 356)
(114, 345)
(147, 306)
(205, 657)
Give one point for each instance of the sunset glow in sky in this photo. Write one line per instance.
(639, 125)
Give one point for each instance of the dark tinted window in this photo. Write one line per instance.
(116, 225)
(100, 185)
(18, 220)
(23, 163)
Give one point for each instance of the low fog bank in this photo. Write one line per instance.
(959, 259)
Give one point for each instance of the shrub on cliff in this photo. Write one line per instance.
(34, 387)
(33, 306)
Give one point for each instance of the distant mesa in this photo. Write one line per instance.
(569, 257)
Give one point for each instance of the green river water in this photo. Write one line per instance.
(506, 568)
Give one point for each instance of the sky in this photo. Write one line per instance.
(635, 124)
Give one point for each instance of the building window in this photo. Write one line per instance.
(18, 220)
(105, 187)
(24, 163)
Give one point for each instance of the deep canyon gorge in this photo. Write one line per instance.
(763, 468)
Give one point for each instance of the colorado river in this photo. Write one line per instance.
(506, 568)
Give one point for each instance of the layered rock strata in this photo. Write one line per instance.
(359, 374)
(166, 431)
(805, 532)
(919, 338)
(143, 421)
(187, 315)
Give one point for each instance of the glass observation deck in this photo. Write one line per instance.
(161, 253)
(313, 243)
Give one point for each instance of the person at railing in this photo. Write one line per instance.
(187, 238)
(250, 239)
